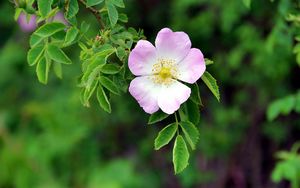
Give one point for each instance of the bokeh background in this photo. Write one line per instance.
(49, 140)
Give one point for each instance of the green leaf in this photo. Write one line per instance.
(35, 40)
(191, 133)
(211, 83)
(195, 95)
(180, 155)
(42, 70)
(56, 54)
(57, 67)
(110, 69)
(49, 29)
(103, 100)
(165, 136)
(72, 8)
(157, 117)
(247, 3)
(118, 3)
(208, 62)
(90, 3)
(123, 18)
(18, 11)
(112, 13)
(281, 106)
(108, 84)
(193, 112)
(71, 36)
(44, 7)
(34, 55)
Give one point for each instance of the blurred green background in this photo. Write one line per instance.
(48, 139)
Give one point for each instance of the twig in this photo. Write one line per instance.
(93, 11)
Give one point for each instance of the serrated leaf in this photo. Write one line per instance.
(165, 136)
(34, 55)
(44, 7)
(157, 117)
(195, 95)
(211, 83)
(110, 69)
(112, 13)
(42, 70)
(90, 3)
(49, 29)
(108, 84)
(103, 100)
(72, 8)
(71, 35)
(191, 133)
(56, 54)
(193, 112)
(180, 155)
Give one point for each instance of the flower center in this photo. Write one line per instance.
(165, 71)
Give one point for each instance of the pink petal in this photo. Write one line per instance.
(192, 67)
(145, 92)
(172, 96)
(27, 25)
(142, 58)
(172, 45)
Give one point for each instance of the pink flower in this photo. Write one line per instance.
(161, 69)
(27, 25)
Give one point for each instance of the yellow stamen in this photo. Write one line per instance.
(165, 71)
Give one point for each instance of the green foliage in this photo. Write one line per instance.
(191, 133)
(288, 168)
(165, 136)
(157, 117)
(180, 155)
(211, 83)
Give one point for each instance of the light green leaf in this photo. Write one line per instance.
(18, 11)
(108, 84)
(211, 83)
(71, 36)
(123, 18)
(57, 67)
(90, 3)
(247, 3)
(165, 136)
(110, 69)
(281, 106)
(191, 133)
(180, 155)
(42, 70)
(34, 55)
(44, 7)
(208, 62)
(56, 54)
(118, 3)
(103, 100)
(157, 117)
(49, 29)
(112, 13)
(35, 40)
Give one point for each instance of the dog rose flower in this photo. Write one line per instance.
(160, 71)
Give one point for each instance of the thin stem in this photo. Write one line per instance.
(95, 12)
(176, 119)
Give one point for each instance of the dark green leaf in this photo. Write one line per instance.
(211, 83)
(191, 133)
(193, 112)
(72, 8)
(165, 136)
(56, 54)
(103, 100)
(180, 155)
(108, 84)
(34, 55)
(157, 117)
(195, 95)
(35, 40)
